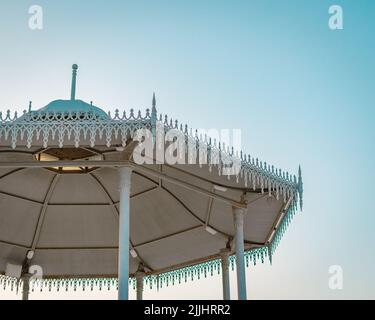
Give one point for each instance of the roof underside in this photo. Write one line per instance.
(72, 219)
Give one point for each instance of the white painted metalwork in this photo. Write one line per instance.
(224, 254)
(239, 215)
(123, 268)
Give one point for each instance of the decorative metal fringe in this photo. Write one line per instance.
(54, 128)
(159, 281)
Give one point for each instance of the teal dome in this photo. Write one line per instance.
(72, 106)
(64, 109)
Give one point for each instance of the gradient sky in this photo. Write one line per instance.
(300, 92)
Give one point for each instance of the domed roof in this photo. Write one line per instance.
(73, 106)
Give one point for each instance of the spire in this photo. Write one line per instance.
(153, 102)
(74, 79)
(30, 105)
(300, 187)
(153, 110)
(154, 117)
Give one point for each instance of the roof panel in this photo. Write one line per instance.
(79, 226)
(18, 220)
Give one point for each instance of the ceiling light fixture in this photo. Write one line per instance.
(133, 253)
(220, 188)
(211, 230)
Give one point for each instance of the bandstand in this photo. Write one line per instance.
(76, 207)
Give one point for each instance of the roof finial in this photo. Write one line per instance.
(154, 117)
(153, 101)
(30, 103)
(74, 78)
(300, 187)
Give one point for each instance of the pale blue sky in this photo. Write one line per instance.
(300, 92)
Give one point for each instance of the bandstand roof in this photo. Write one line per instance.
(180, 215)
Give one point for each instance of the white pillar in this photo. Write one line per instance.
(139, 276)
(123, 251)
(224, 253)
(239, 215)
(26, 286)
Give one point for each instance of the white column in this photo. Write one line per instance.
(139, 276)
(123, 251)
(239, 215)
(224, 253)
(26, 286)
